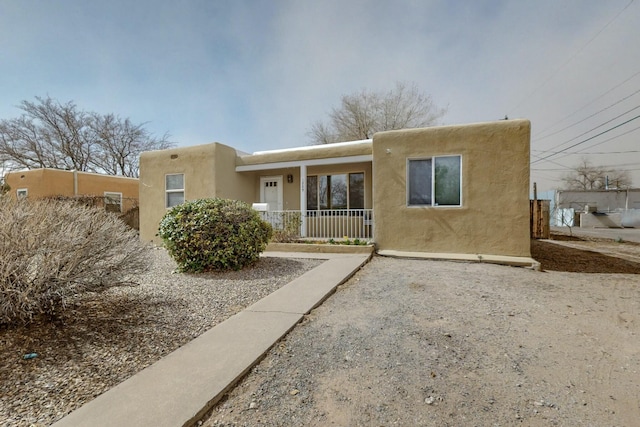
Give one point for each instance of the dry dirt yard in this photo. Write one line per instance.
(435, 343)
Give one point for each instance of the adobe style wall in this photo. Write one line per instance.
(54, 182)
(209, 171)
(494, 216)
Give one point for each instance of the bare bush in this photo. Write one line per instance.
(51, 250)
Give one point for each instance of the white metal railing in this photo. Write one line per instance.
(324, 224)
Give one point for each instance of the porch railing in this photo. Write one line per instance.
(324, 224)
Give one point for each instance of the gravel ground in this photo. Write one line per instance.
(104, 339)
(434, 343)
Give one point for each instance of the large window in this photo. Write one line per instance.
(174, 190)
(340, 191)
(434, 181)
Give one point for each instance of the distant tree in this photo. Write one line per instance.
(364, 113)
(586, 176)
(50, 134)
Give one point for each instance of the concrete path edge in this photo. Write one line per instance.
(181, 387)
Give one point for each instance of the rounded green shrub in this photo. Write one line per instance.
(214, 234)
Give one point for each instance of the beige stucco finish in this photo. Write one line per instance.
(492, 220)
(494, 216)
(209, 171)
(54, 182)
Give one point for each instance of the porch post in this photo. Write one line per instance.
(303, 200)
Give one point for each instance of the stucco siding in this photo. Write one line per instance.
(54, 182)
(229, 184)
(209, 171)
(197, 165)
(494, 215)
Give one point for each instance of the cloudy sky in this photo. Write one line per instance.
(255, 74)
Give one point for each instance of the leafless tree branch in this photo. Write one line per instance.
(50, 134)
(362, 114)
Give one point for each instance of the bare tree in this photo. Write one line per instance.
(362, 114)
(120, 141)
(50, 134)
(586, 176)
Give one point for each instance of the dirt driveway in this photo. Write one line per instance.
(431, 343)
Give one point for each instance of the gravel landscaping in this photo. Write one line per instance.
(435, 343)
(403, 342)
(103, 339)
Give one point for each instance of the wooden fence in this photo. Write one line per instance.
(539, 219)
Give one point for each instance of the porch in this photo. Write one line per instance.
(323, 224)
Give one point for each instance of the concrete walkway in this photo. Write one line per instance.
(178, 389)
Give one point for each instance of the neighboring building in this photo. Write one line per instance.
(119, 193)
(445, 190)
(598, 208)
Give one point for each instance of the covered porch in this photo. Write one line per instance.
(323, 224)
(318, 192)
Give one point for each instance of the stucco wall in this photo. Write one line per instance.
(494, 216)
(54, 182)
(209, 171)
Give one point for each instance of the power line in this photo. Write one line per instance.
(617, 167)
(600, 125)
(610, 139)
(567, 153)
(588, 139)
(553, 74)
(595, 152)
(586, 132)
(592, 115)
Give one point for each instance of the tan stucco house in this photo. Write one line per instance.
(451, 191)
(119, 193)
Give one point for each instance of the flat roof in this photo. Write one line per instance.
(315, 147)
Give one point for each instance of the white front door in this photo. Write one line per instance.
(271, 192)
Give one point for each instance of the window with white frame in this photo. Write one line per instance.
(112, 201)
(22, 193)
(434, 181)
(339, 191)
(174, 189)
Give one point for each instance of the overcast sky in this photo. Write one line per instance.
(256, 74)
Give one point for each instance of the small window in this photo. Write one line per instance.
(434, 181)
(22, 193)
(113, 202)
(174, 190)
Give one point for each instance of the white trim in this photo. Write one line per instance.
(19, 190)
(311, 162)
(316, 147)
(175, 190)
(278, 179)
(303, 200)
